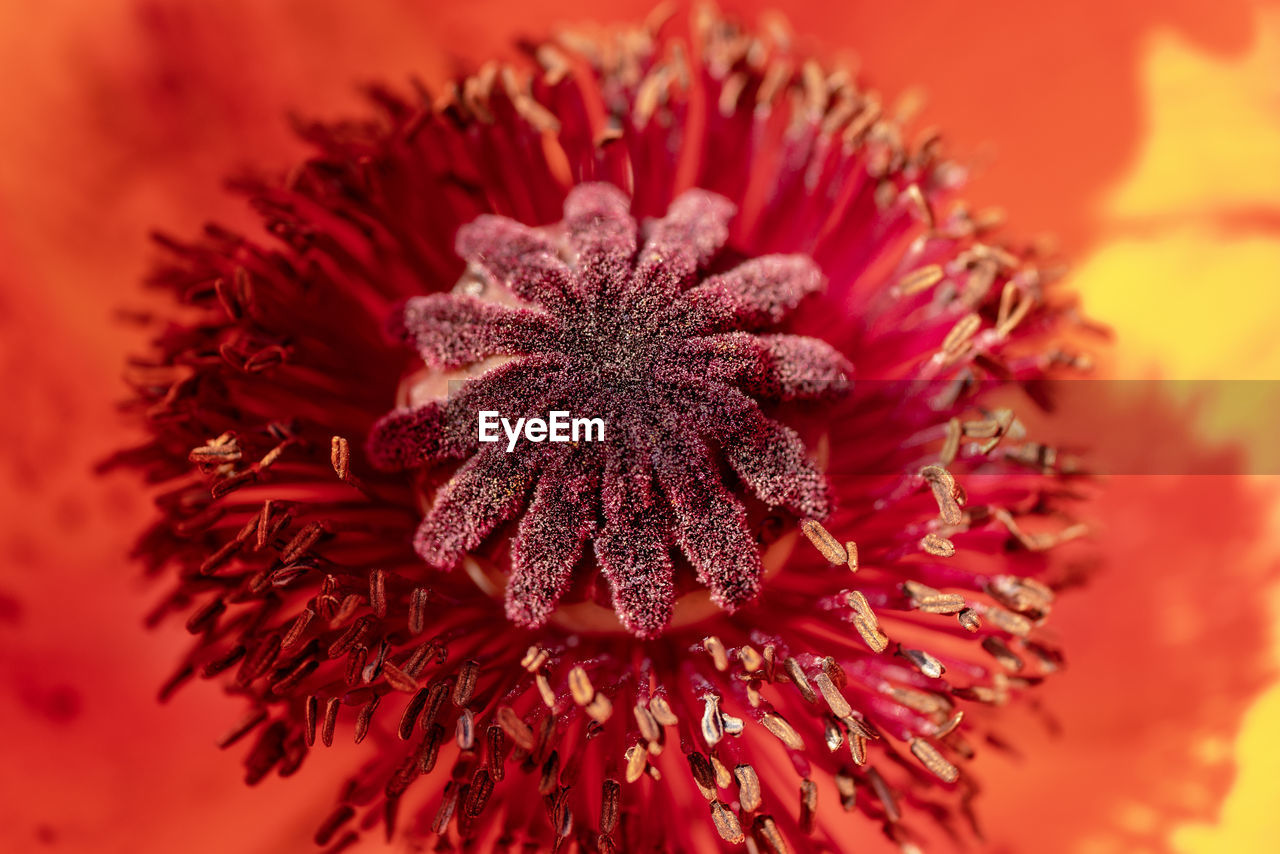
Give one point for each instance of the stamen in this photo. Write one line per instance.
(864, 620)
(749, 792)
(797, 675)
(549, 777)
(766, 832)
(933, 760)
(1014, 624)
(782, 730)
(661, 711)
(950, 725)
(885, 795)
(378, 593)
(340, 457)
(411, 712)
(930, 601)
(835, 700)
(715, 647)
(925, 663)
(297, 629)
(600, 708)
(936, 545)
(726, 823)
(943, 486)
(848, 790)
(340, 815)
(1024, 595)
(918, 280)
(580, 686)
(808, 805)
(437, 692)
(466, 684)
(465, 731)
(243, 728)
(516, 729)
(858, 748)
(637, 759)
(417, 610)
(712, 725)
(828, 546)
(330, 721)
(310, 708)
(430, 750)
(703, 776)
(365, 716)
(724, 778)
(445, 812)
(534, 658)
(832, 734)
(544, 690)
(950, 444)
(648, 726)
(610, 794)
(398, 679)
(1000, 651)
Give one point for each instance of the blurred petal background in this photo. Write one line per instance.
(1144, 135)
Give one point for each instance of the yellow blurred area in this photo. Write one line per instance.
(1249, 820)
(1189, 282)
(1200, 302)
(1215, 129)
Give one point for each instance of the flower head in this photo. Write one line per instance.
(643, 223)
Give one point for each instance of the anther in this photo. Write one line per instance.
(365, 716)
(465, 731)
(798, 678)
(715, 648)
(919, 280)
(637, 759)
(749, 792)
(828, 546)
(726, 823)
(808, 805)
(466, 684)
(411, 711)
(610, 795)
(931, 759)
(580, 686)
(340, 457)
(378, 593)
(936, 545)
(515, 728)
(783, 731)
(712, 725)
(924, 662)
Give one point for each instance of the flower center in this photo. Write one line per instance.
(587, 610)
(600, 318)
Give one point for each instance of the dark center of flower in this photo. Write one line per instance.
(626, 326)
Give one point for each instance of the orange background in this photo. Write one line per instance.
(1145, 135)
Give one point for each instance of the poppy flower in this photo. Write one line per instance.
(637, 666)
(404, 380)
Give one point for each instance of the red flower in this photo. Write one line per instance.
(294, 568)
(125, 115)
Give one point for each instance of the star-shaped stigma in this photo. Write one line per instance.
(667, 355)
